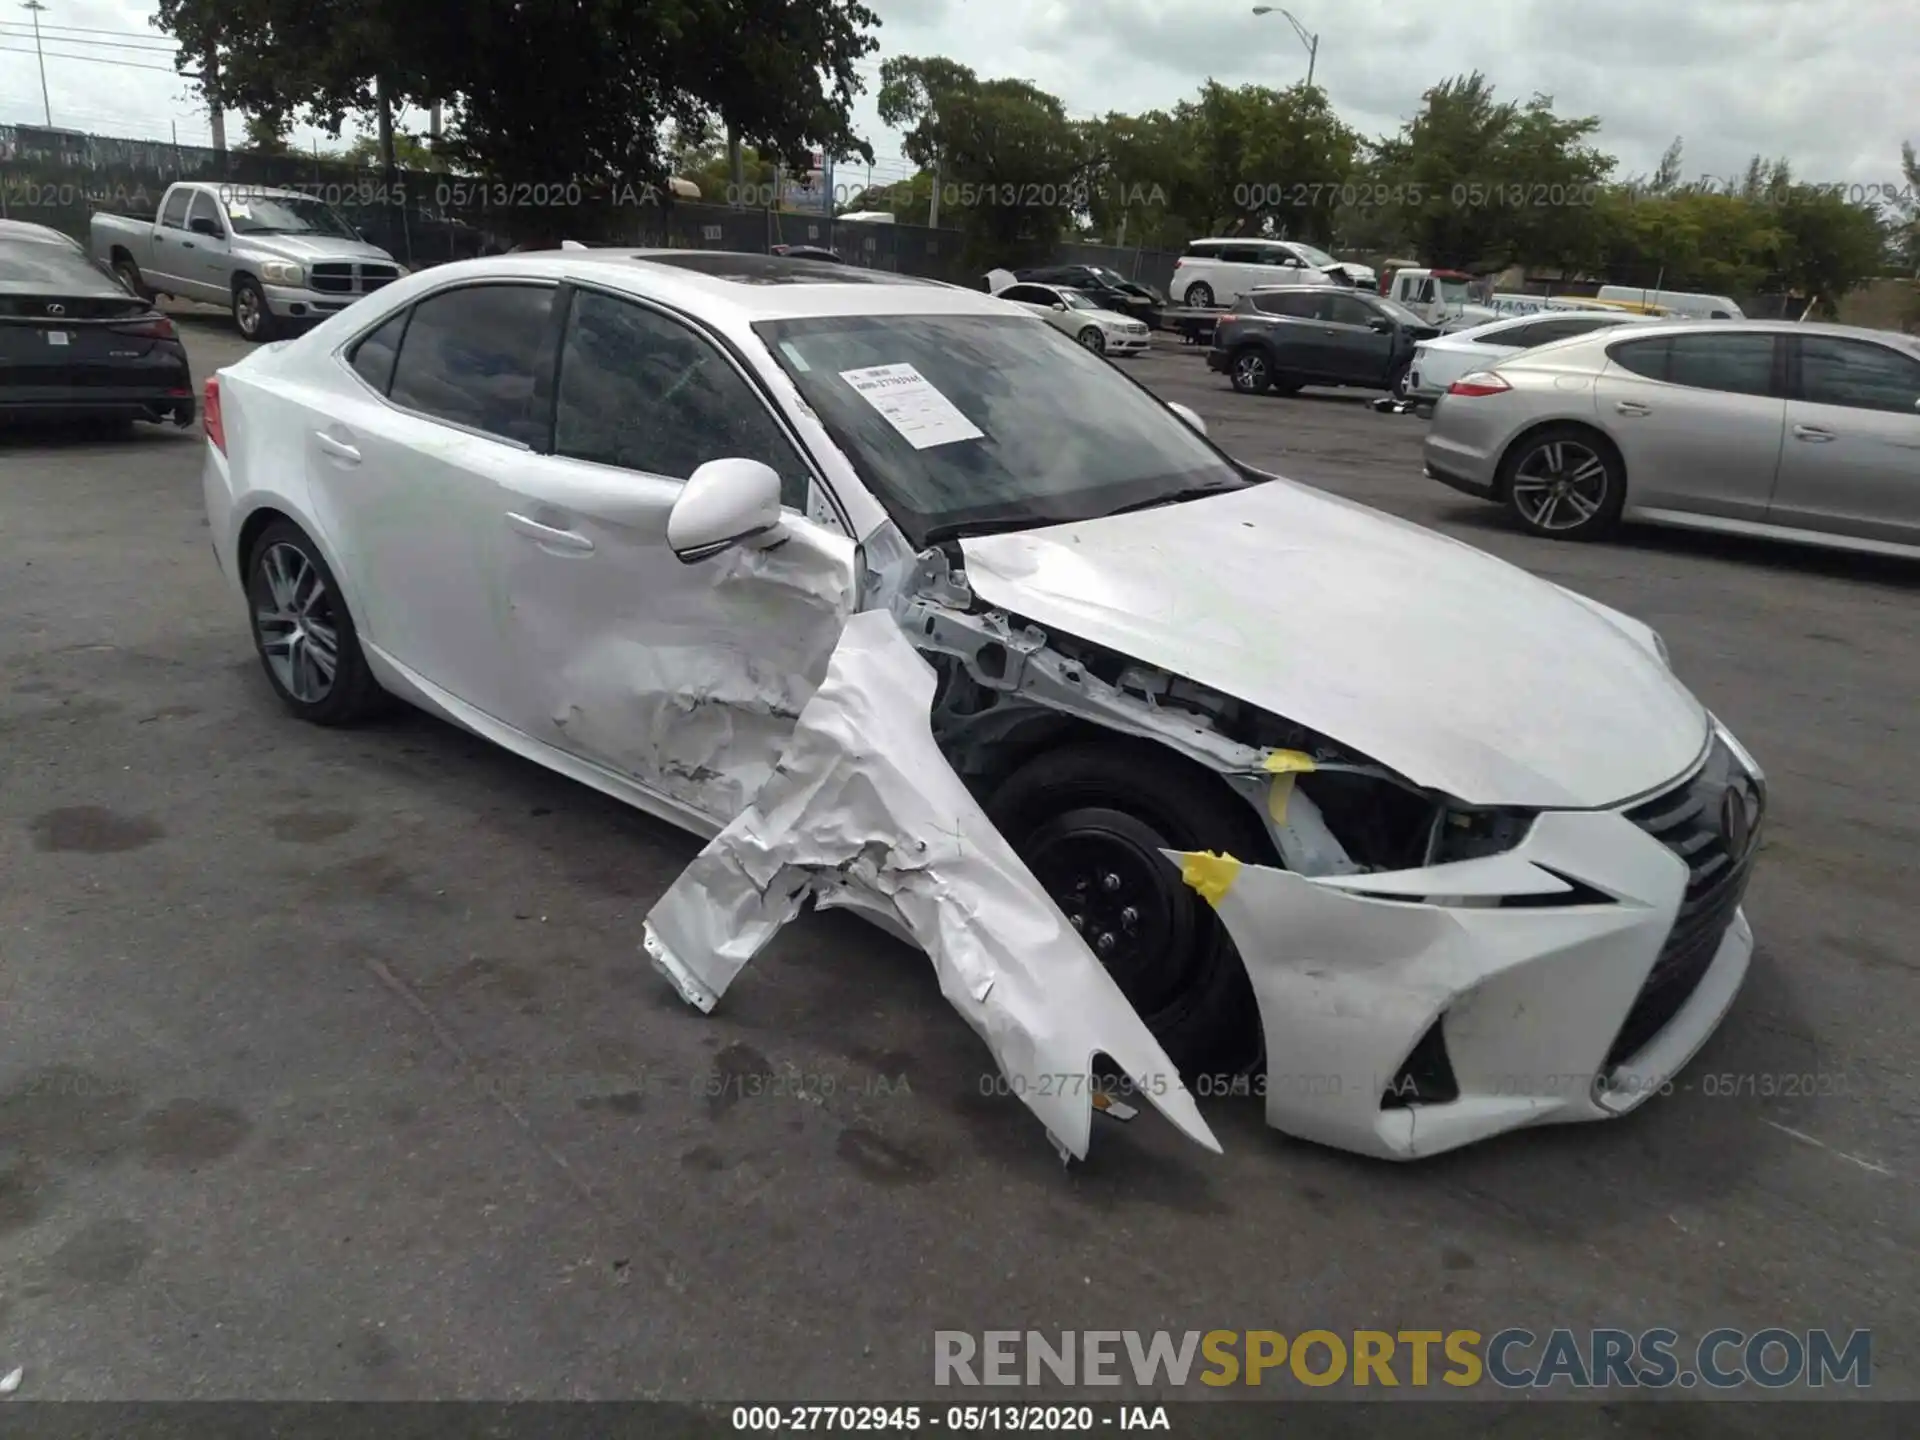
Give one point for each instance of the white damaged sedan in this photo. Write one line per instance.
(904, 603)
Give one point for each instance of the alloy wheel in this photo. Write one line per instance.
(295, 621)
(1560, 485)
(246, 311)
(1250, 373)
(1093, 340)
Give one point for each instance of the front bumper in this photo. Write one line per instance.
(1118, 344)
(290, 302)
(1566, 980)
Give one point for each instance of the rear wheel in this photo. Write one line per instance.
(1566, 483)
(1200, 294)
(1250, 372)
(129, 276)
(305, 637)
(1091, 821)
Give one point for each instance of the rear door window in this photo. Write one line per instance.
(372, 355)
(1739, 364)
(1645, 358)
(471, 355)
(1295, 304)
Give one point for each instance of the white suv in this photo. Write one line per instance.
(1219, 272)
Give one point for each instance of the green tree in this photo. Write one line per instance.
(1480, 183)
(266, 133)
(1013, 168)
(546, 90)
(410, 152)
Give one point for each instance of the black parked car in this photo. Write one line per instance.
(74, 341)
(1104, 287)
(1284, 336)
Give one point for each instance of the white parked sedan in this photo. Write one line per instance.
(909, 605)
(1072, 313)
(1437, 363)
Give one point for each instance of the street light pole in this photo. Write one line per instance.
(36, 7)
(1311, 41)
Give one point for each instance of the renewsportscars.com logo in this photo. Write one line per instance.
(1512, 1359)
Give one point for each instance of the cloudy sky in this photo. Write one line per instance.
(1834, 86)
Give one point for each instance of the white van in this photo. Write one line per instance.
(1677, 302)
(1219, 272)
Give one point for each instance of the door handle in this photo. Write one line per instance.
(338, 449)
(1632, 407)
(186, 244)
(1813, 433)
(550, 537)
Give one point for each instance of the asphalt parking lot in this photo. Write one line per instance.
(330, 1066)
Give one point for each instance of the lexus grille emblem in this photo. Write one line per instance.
(1736, 822)
(56, 309)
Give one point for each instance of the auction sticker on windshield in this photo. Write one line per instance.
(910, 403)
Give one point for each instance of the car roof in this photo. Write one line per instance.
(1681, 325)
(740, 286)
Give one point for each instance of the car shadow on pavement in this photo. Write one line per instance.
(24, 434)
(1782, 555)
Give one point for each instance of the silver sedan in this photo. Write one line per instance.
(1801, 432)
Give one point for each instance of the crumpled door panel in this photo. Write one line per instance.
(862, 808)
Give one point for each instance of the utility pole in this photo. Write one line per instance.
(735, 166)
(36, 7)
(209, 81)
(933, 211)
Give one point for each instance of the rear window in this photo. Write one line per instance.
(32, 266)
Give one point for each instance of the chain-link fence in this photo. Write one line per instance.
(62, 178)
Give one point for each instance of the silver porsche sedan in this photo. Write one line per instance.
(1800, 432)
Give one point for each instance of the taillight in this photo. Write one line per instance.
(158, 327)
(1178, 263)
(1481, 382)
(210, 412)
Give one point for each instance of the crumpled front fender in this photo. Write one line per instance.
(862, 808)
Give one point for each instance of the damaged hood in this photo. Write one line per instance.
(1463, 673)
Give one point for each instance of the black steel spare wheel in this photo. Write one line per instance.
(1091, 821)
(1105, 870)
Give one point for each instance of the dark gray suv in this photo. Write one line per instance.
(1280, 337)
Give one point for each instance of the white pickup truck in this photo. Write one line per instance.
(273, 256)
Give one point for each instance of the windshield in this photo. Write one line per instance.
(287, 215)
(1456, 292)
(1076, 301)
(1317, 258)
(1105, 276)
(988, 421)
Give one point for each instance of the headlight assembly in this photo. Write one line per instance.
(282, 272)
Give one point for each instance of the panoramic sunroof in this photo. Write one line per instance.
(778, 269)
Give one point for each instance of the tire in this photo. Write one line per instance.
(1398, 383)
(1200, 295)
(286, 614)
(251, 317)
(1564, 482)
(1088, 815)
(1093, 340)
(129, 274)
(1249, 370)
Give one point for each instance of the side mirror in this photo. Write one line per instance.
(1186, 413)
(723, 504)
(1059, 305)
(200, 225)
(1380, 325)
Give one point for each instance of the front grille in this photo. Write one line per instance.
(333, 279)
(1693, 820)
(336, 277)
